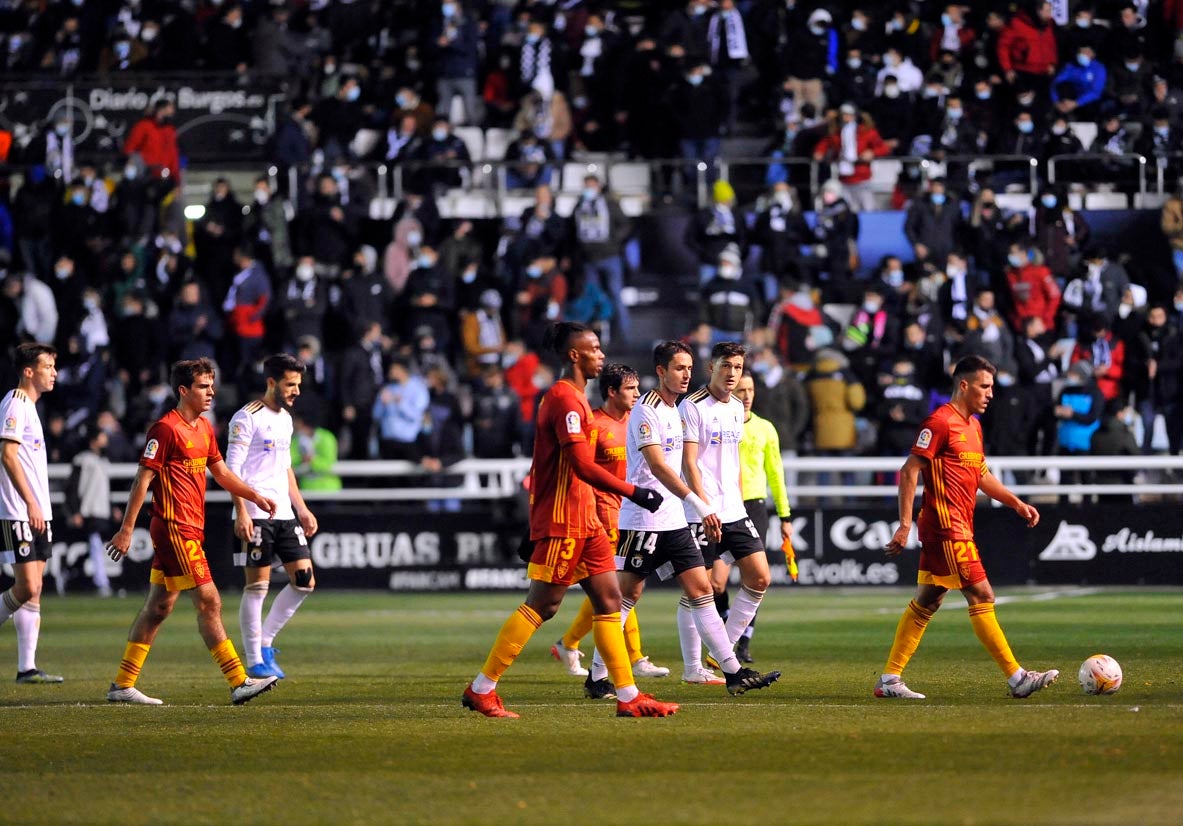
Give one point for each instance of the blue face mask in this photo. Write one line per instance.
(448, 9)
(982, 94)
(954, 114)
(590, 194)
(694, 80)
(591, 31)
(439, 134)
(1085, 60)
(895, 277)
(534, 271)
(353, 94)
(1016, 260)
(533, 37)
(938, 198)
(1048, 201)
(946, 20)
(1026, 127)
(425, 261)
(1133, 67)
(78, 198)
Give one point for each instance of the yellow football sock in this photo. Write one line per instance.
(609, 637)
(907, 637)
(512, 637)
(227, 659)
(986, 626)
(131, 664)
(580, 626)
(632, 636)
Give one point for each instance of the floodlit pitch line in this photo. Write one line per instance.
(1045, 596)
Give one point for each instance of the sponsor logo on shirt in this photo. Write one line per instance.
(574, 425)
(924, 439)
(10, 423)
(971, 459)
(645, 430)
(194, 465)
(268, 445)
(151, 448)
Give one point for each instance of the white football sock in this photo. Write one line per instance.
(285, 605)
(714, 633)
(250, 619)
(483, 685)
(747, 602)
(28, 628)
(8, 606)
(688, 637)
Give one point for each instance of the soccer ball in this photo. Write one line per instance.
(1100, 674)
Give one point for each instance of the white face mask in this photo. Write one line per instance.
(304, 272)
(729, 271)
(892, 92)
(1124, 310)
(785, 200)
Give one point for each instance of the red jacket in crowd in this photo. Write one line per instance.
(156, 143)
(1033, 291)
(867, 139)
(1108, 375)
(1028, 47)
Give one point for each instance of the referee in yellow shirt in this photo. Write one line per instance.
(761, 470)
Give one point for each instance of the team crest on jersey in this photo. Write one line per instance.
(151, 448)
(10, 423)
(23, 550)
(924, 439)
(574, 425)
(38, 444)
(199, 570)
(235, 430)
(645, 430)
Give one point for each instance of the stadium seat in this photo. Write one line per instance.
(474, 139)
(633, 205)
(629, 178)
(1084, 130)
(513, 205)
(382, 209)
(1106, 200)
(884, 174)
(364, 142)
(565, 203)
(1013, 201)
(573, 172)
(496, 142)
(1150, 200)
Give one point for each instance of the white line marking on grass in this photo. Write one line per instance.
(1045, 596)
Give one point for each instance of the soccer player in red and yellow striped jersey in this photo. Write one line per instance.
(949, 454)
(179, 450)
(569, 543)
(619, 389)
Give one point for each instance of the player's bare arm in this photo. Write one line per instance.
(229, 480)
(909, 479)
(303, 514)
(119, 543)
(711, 523)
(12, 466)
(990, 485)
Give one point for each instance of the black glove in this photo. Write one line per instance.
(525, 548)
(647, 498)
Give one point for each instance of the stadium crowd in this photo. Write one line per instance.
(422, 335)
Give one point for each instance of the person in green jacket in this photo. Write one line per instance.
(761, 470)
(314, 454)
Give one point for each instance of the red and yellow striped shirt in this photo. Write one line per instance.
(179, 453)
(561, 504)
(608, 437)
(956, 462)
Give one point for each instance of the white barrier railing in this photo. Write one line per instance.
(502, 478)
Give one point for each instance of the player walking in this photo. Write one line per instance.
(948, 453)
(569, 543)
(761, 470)
(713, 421)
(259, 452)
(619, 389)
(180, 448)
(661, 541)
(25, 514)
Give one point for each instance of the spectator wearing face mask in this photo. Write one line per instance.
(303, 304)
(445, 148)
(1155, 375)
(542, 292)
(729, 303)
(598, 231)
(530, 162)
(932, 224)
(953, 35)
(987, 334)
(1078, 87)
(1038, 358)
(894, 113)
(983, 111)
(1130, 78)
(1027, 47)
(835, 235)
(154, 139)
(1161, 142)
(1060, 232)
(902, 406)
(780, 231)
(337, 118)
(1078, 411)
(1099, 289)
(265, 225)
(989, 230)
(453, 37)
(714, 228)
(797, 327)
(1103, 352)
(856, 81)
(909, 79)
(1062, 141)
(810, 58)
(869, 340)
(697, 106)
(482, 334)
(1032, 289)
(849, 150)
(430, 299)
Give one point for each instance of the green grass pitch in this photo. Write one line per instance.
(368, 727)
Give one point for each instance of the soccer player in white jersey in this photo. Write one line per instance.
(713, 422)
(25, 514)
(260, 453)
(661, 541)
